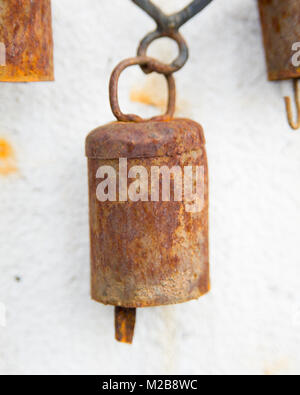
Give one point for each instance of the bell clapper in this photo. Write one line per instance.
(124, 324)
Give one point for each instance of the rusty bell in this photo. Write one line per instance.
(148, 247)
(26, 44)
(280, 20)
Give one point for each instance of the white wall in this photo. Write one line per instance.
(250, 322)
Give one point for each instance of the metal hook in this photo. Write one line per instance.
(288, 104)
(168, 26)
(167, 23)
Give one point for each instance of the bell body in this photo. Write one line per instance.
(148, 252)
(26, 44)
(280, 21)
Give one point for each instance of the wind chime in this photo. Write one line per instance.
(26, 44)
(280, 20)
(147, 252)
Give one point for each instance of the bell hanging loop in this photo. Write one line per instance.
(155, 66)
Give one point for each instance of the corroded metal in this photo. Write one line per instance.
(280, 21)
(26, 36)
(147, 253)
(155, 66)
(288, 103)
(124, 324)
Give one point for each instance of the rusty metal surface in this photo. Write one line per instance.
(124, 324)
(144, 139)
(280, 21)
(154, 65)
(295, 125)
(25, 30)
(147, 253)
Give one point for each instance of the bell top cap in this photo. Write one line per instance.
(147, 139)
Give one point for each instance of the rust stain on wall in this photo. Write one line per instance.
(7, 158)
(278, 367)
(153, 93)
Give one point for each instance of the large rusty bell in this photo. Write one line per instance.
(146, 250)
(26, 43)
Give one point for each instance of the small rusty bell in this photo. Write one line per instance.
(147, 250)
(280, 20)
(26, 43)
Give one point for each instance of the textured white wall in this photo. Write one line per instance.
(250, 322)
